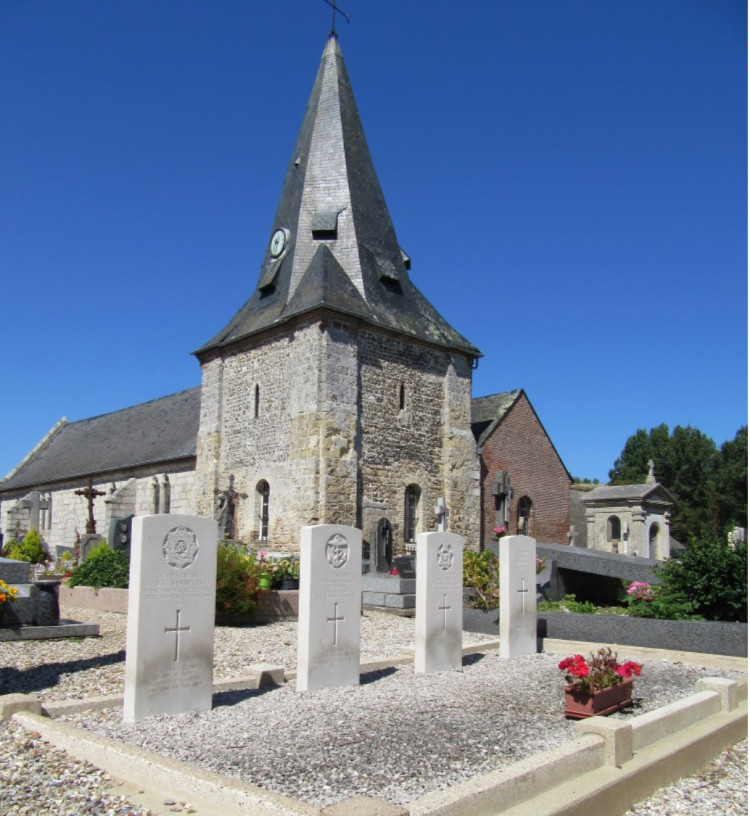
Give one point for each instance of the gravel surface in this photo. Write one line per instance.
(410, 734)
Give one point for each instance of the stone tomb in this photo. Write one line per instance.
(517, 596)
(439, 612)
(170, 632)
(329, 607)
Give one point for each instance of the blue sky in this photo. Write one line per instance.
(569, 178)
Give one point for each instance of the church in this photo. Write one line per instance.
(336, 394)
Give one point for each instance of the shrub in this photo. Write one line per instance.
(709, 580)
(481, 574)
(237, 572)
(30, 549)
(103, 567)
(568, 604)
(12, 549)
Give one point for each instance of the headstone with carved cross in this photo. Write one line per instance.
(517, 596)
(170, 630)
(330, 591)
(439, 604)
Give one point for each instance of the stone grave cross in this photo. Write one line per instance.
(441, 511)
(34, 503)
(90, 493)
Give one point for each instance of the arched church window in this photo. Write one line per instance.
(167, 491)
(155, 495)
(524, 516)
(411, 513)
(263, 494)
(614, 529)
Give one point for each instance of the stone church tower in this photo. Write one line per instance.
(337, 394)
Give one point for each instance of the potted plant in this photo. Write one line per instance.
(599, 685)
(265, 570)
(286, 574)
(7, 595)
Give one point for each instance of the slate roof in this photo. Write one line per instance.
(162, 430)
(341, 248)
(632, 492)
(488, 412)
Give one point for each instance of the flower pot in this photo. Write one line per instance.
(290, 583)
(264, 582)
(2, 611)
(582, 704)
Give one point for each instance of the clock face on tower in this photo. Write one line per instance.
(278, 242)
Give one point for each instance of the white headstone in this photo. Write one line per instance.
(439, 604)
(170, 632)
(517, 596)
(330, 603)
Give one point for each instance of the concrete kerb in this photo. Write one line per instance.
(649, 751)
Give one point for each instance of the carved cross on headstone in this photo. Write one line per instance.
(176, 629)
(332, 4)
(524, 591)
(444, 609)
(227, 503)
(90, 493)
(335, 621)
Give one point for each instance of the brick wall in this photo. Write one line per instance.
(520, 446)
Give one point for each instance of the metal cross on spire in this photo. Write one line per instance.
(332, 4)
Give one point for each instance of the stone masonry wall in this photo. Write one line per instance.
(69, 513)
(262, 423)
(520, 446)
(427, 442)
(314, 412)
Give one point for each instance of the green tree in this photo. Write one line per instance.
(730, 480)
(684, 462)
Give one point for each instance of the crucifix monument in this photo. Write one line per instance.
(227, 504)
(90, 493)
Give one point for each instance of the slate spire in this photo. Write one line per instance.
(333, 244)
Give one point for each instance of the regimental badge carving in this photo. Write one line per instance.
(180, 547)
(445, 556)
(337, 551)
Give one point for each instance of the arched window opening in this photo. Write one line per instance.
(155, 495)
(401, 397)
(614, 529)
(263, 493)
(524, 515)
(167, 490)
(256, 410)
(411, 513)
(653, 541)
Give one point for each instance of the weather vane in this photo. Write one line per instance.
(332, 4)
